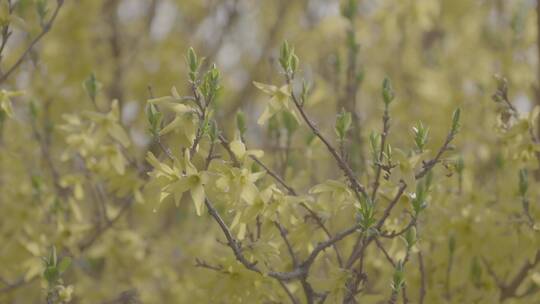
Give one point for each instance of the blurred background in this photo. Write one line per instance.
(439, 54)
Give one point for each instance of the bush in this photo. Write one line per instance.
(332, 184)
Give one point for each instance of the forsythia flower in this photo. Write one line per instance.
(279, 101)
(5, 101)
(110, 124)
(239, 150)
(405, 168)
(174, 181)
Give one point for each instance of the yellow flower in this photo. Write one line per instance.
(176, 180)
(5, 101)
(110, 124)
(405, 168)
(240, 151)
(279, 101)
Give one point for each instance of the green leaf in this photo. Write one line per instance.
(420, 135)
(387, 92)
(92, 86)
(456, 121)
(41, 9)
(51, 274)
(285, 56)
(241, 125)
(64, 264)
(343, 124)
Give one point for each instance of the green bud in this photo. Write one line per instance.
(64, 265)
(455, 121)
(419, 202)
(154, 118)
(285, 56)
(210, 85)
(398, 279)
(410, 237)
(213, 131)
(241, 125)
(51, 274)
(343, 124)
(387, 91)
(366, 213)
(92, 86)
(42, 10)
(375, 144)
(192, 60)
(193, 64)
(294, 62)
(420, 136)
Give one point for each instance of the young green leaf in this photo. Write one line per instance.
(387, 92)
(343, 124)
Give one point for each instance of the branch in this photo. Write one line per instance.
(283, 232)
(509, 290)
(343, 165)
(203, 264)
(431, 163)
(388, 257)
(393, 234)
(274, 175)
(225, 143)
(45, 29)
(100, 231)
(391, 206)
(386, 128)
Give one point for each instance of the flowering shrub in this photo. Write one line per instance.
(316, 183)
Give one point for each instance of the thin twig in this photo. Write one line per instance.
(343, 165)
(44, 30)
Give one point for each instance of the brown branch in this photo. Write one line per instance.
(509, 290)
(6, 33)
(319, 221)
(109, 224)
(283, 232)
(293, 299)
(291, 191)
(343, 165)
(391, 206)
(431, 163)
(393, 234)
(386, 128)
(225, 143)
(386, 255)
(45, 29)
(274, 175)
(219, 268)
